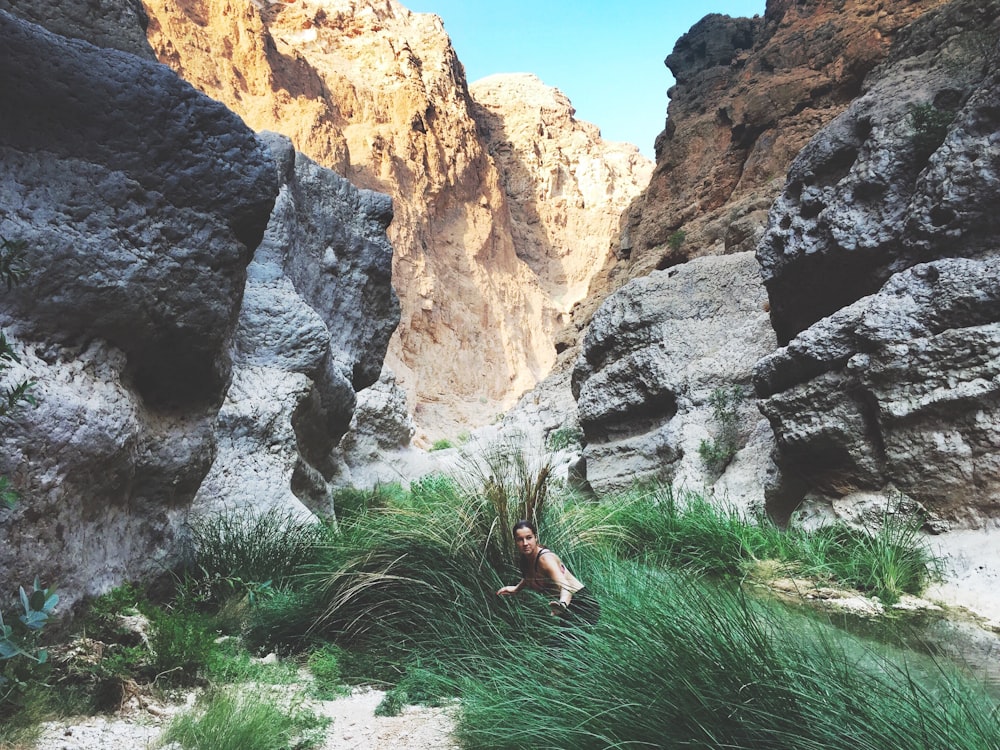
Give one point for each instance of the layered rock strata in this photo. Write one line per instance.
(376, 92)
(565, 186)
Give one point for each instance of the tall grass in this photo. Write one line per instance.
(407, 588)
(662, 526)
(225, 720)
(678, 662)
(241, 550)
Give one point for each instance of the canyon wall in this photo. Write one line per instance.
(880, 261)
(749, 94)
(376, 93)
(876, 271)
(199, 309)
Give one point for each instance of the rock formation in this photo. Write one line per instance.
(115, 24)
(140, 201)
(171, 377)
(566, 188)
(749, 95)
(652, 358)
(317, 315)
(880, 265)
(376, 92)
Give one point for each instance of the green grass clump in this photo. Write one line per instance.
(661, 526)
(230, 662)
(679, 662)
(324, 665)
(405, 583)
(225, 720)
(249, 553)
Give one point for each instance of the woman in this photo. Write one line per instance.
(544, 572)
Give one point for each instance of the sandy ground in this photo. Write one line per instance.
(355, 727)
(972, 573)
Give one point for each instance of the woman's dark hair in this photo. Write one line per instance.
(524, 524)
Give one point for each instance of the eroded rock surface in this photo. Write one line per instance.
(566, 187)
(140, 201)
(888, 228)
(652, 357)
(749, 94)
(377, 93)
(118, 24)
(906, 175)
(316, 319)
(173, 375)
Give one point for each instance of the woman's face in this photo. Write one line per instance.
(526, 542)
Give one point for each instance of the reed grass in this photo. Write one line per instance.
(680, 662)
(248, 551)
(681, 656)
(227, 720)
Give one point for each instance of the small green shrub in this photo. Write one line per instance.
(248, 553)
(442, 444)
(181, 642)
(393, 703)
(564, 437)
(231, 662)
(929, 127)
(224, 720)
(13, 270)
(23, 661)
(676, 239)
(325, 664)
(719, 451)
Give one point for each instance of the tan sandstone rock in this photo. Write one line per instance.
(376, 92)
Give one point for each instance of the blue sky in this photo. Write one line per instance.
(606, 57)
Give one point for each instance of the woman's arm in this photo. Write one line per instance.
(556, 571)
(509, 590)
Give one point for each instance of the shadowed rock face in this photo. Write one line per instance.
(171, 377)
(105, 156)
(140, 201)
(117, 24)
(880, 261)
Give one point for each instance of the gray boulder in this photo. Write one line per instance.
(880, 260)
(900, 389)
(907, 174)
(316, 319)
(140, 201)
(652, 358)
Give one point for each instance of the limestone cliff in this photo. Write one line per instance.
(565, 186)
(749, 94)
(376, 92)
(169, 375)
(879, 264)
(880, 260)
